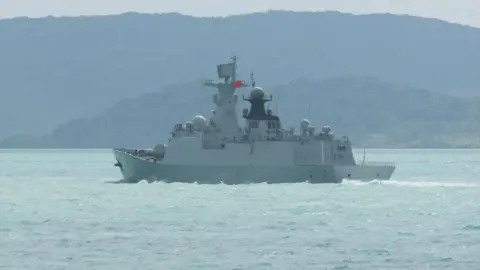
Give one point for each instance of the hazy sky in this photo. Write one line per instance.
(460, 11)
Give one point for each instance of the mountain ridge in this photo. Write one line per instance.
(368, 110)
(54, 70)
(179, 14)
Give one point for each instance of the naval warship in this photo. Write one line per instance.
(220, 150)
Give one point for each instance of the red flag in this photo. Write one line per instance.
(237, 84)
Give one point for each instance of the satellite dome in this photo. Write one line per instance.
(326, 129)
(257, 93)
(199, 121)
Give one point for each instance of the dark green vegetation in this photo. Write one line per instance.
(384, 80)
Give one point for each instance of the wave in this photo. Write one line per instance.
(395, 183)
(409, 183)
(121, 181)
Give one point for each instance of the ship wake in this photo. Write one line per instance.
(420, 184)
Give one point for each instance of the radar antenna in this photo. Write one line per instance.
(234, 63)
(276, 104)
(363, 160)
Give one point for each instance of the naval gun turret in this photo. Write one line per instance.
(199, 122)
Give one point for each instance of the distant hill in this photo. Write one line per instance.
(53, 70)
(373, 113)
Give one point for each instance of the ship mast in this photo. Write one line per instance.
(234, 64)
(225, 115)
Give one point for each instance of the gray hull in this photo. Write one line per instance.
(135, 169)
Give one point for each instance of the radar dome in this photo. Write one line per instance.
(304, 124)
(257, 93)
(199, 121)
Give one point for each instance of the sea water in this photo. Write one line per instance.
(59, 210)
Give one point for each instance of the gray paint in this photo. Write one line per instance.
(220, 150)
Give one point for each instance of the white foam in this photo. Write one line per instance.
(396, 183)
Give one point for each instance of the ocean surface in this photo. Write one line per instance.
(58, 210)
